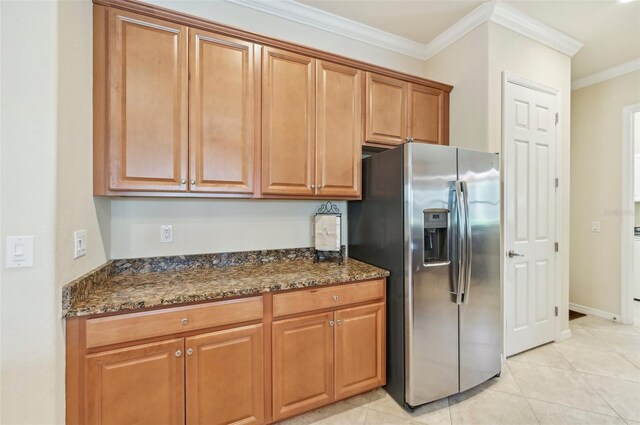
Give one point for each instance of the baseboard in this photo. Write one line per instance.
(565, 334)
(594, 312)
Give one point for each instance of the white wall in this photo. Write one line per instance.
(205, 226)
(596, 160)
(32, 344)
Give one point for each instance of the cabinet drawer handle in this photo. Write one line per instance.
(339, 322)
(331, 323)
(178, 353)
(336, 298)
(189, 351)
(184, 321)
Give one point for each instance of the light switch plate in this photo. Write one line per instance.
(79, 243)
(595, 226)
(19, 252)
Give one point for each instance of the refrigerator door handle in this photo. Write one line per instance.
(461, 243)
(467, 244)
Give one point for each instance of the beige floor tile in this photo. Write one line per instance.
(604, 363)
(630, 422)
(340, 413)
(364, 399)
(622, 343)
(486, 407)
(581, 337)
(558, 386)
(557, 414)
(633, 358)
(623, 396)
(380, 418)
(599, 324)
(545, 355)
(435, 413)
(505, 383)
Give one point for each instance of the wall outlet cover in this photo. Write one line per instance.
(79, 243)
(166, 233)
(595, 226)
(19, 252)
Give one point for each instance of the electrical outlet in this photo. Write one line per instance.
(595, 226)
(79, 243)
(166, 233)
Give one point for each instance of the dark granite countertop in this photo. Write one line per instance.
(125, 285)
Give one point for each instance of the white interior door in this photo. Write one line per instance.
(530, 202)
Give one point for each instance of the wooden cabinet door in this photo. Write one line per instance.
(288, 123)
(339, 130)
(360, 349)
(426, 114)
(302, 364)
(386, 116)
(225, 375)
(224, 102)
(136, 385)
(148, 103)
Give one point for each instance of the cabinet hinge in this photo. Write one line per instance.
(556, 246)
(557, 118)
(557, 182)
(556, 311)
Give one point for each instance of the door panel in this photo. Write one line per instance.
(431, 320)
(148, 103)
(530, 163)
(339, 130)
(288, 123)
(302, 364)
(136, 385)
(481, 323)
(386, 120)
(223, 102)
(426, 106)
(360, 348)
(225, 375)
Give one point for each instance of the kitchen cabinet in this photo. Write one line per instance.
(323, 357)
(397, 111)
(224, 113)
(288, 130)
(147, 101)
(225, 376)
(142, 384)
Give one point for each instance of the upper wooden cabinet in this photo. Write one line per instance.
(339, 130)
(224, 108)
(386, 120)
(147, 98)
(288, 124)
(398, 110)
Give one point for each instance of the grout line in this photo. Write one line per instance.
(602, 397)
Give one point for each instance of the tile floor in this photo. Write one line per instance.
(592, 378)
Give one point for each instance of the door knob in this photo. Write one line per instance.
(512, 254)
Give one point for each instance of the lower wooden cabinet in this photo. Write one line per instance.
(136, 385)
(225, 375)
(321, 358)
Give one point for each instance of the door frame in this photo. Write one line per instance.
(510, 77)
(627, 208)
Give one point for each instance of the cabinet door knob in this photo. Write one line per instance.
(183, 181)
(313, 186)
(189, 351)
(339, 322)
(193, 182)
(336, 298)
(331, 322)
(178, 353)
(184, 321)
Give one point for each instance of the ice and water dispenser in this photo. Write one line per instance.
(436, 238)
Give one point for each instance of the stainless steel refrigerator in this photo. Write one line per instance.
(431, 216)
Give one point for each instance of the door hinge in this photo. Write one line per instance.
(556, 246)
(557, 182)
(556, 310)
(557, 118)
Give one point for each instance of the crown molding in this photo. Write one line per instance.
(607, 74)
(493, 11)
(307, 15)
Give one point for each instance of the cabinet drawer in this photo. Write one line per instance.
(320, 298)
(149, 324)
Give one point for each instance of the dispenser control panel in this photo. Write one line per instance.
(436, 237)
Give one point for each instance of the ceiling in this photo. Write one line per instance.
(609, 30)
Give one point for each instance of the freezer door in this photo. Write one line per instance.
(480, 311)
(431, 312)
